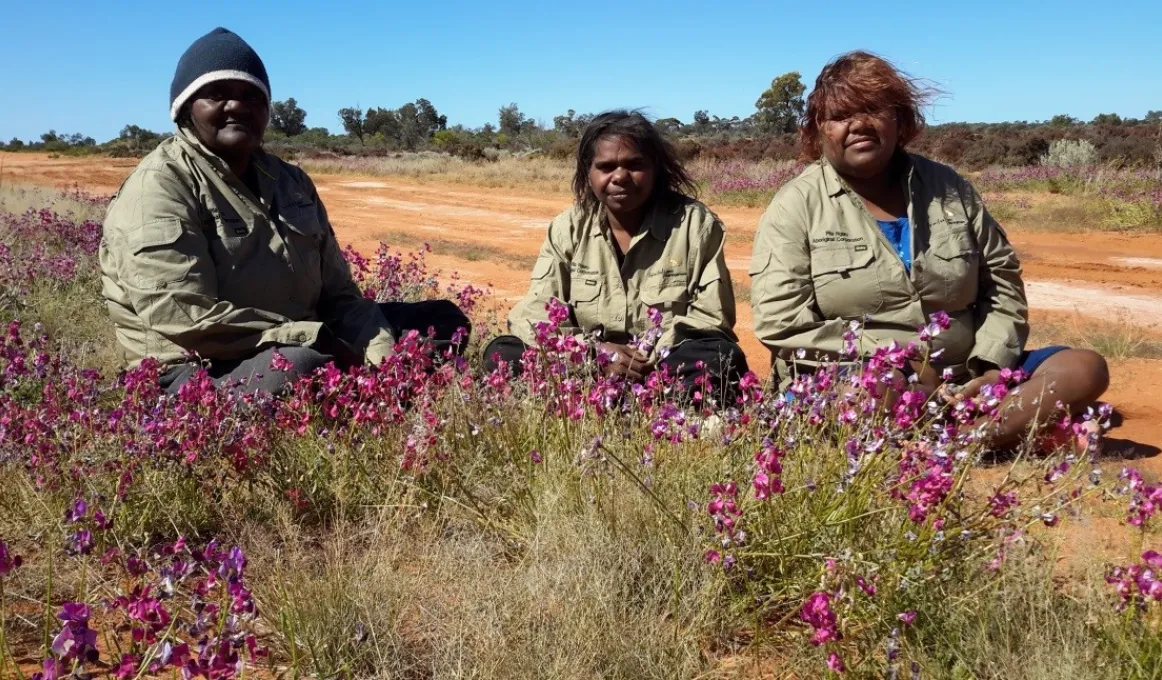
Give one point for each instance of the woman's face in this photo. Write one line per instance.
(230, 117)
(620, 176)
(861, 145)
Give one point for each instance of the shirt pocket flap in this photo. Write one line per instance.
(839, 260)
(542, 268)
(664, 294)
(584, 288)
(954, 247)
(758, 263)
(162, 232)
(303, 219)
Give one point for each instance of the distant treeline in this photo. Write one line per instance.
(769, 133)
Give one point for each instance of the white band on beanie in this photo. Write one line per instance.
(212, 77)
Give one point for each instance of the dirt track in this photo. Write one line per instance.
(490, 236)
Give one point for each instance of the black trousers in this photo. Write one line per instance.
(442, 316)
(724, 362)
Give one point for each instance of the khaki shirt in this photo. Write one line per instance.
(675, 263)
(191, 260)
(820, 260)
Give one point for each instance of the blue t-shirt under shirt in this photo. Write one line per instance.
(899, 233)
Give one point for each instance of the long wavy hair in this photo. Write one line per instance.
(671, 181)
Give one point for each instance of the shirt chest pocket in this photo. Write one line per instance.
(586, 300)
(232, 242)
(305, 239)
(668, 293)
(846, 282)
(954, 263)
(158, 255)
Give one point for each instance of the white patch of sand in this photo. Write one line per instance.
(364, 185)
(1142, 262)
(1091, 301)
(454, 211)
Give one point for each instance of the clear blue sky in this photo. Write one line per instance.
(93, 67)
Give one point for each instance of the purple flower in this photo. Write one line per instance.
(74, 612)
(81, 542)
(8, 561)
(52, 670)
(77, 512)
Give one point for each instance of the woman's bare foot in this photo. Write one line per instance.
(1083, 437)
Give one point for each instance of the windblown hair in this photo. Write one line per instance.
(862, 82)
(671, 181)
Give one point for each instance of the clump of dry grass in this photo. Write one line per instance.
(509, 172)
(1115, 340)
(404, 597)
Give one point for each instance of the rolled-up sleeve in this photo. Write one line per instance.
(1002, 310)
(354, 317)
(549, 280)
(712, 306)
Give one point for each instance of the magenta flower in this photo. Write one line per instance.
(835, 663)
(817, 613)
(127, 668)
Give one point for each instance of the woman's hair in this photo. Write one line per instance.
(670, 178)
(862, 82)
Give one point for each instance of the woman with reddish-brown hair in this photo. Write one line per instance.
(873, 233)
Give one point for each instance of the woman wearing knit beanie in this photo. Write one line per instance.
(217, 254)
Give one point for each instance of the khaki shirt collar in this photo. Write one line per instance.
(660, 221)
(835, 184)
(264, 164)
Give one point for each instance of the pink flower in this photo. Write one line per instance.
(906, 617)
(835, 663)
(127, 668)
(817, 613)
(280, 363)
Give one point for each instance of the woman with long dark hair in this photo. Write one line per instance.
(635, 240)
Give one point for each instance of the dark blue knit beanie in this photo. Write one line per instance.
(218, 55)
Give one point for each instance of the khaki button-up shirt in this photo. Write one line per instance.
(820, 261)
(191, 260)
(675, 264)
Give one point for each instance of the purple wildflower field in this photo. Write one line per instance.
(424, 518)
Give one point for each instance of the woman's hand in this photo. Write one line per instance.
(345, 355)
(971, 389)
(625, 361)
(927, 377)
